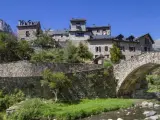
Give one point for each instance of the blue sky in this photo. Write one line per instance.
(127, 17)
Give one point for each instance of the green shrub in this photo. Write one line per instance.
(8, 100)
(107, 64)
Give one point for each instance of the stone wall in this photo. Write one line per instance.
(83, 86)
(27, 69)
(137, 66)
(26, 76)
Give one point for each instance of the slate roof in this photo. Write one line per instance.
(98, 27)
(78, 20)
(59, 32)
(108, 37)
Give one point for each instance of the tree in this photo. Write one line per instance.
(84, 53)
(13, 50)
(73, 54)
(50, 55)
(24, 50)
(55, 81)
(70, 53)
(116, 54)
(44, 41)
(154, 83)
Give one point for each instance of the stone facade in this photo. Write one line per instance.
(88, 80)
(128, 72)
(27, 69)
(28, 30)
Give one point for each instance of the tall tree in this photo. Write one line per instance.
(115, 53)
(84, 53)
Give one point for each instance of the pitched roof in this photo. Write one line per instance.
(98, 27)
(145, 36)
(78, 20)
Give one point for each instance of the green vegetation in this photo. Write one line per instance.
(39, 109)
(107, 64)
(154, 83)
(55, 81)
(13, 50)
(8, 100)
(116, 54)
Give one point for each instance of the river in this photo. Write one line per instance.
(133, 113)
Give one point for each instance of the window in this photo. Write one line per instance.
(132, 49)
(27, 34)
(61, 35)
(98, 49)
(80, 34)
(106, 48)
(78, 23)
(122, 48)
(96, 56)
(98, 30)
(145, 49)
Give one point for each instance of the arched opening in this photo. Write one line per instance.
(135, 80)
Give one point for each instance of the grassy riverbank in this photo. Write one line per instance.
(36, 108)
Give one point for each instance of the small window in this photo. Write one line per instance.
(61, 35)
(146, 41)
(96, 56)
(122, 48)
(98, 31)
(78, 23)
(123, 57)
(27, 34)
(106, 48)
(80, 34)
(132, 49)
(145, 49)
(96, 49)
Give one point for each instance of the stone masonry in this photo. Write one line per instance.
(126, 68)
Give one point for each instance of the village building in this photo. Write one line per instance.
(98, 38)
(28, 30)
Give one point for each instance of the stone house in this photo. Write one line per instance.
(98, 38)
(28, 30)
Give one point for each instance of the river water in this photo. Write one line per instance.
(133, 113)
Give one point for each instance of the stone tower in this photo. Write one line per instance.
(28, 30)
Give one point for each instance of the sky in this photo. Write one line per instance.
(127, 17)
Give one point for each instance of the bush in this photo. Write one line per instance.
(8, 100)
(107, 64)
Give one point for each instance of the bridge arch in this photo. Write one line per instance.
(127, 73)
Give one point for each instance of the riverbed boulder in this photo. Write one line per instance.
(144, 104)
(155, 117)
(119, 119)
(150, 105)
(149, 113)
(156, 106)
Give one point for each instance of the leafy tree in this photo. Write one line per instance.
(116, 54)
(84, 53)
(154, 83)
(55, 81)
(24, 50)
(12, 50)
(44, 41)
(51, 55)
(70, 53)
(73, 54)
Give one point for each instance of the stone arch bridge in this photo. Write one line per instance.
(127, 73)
